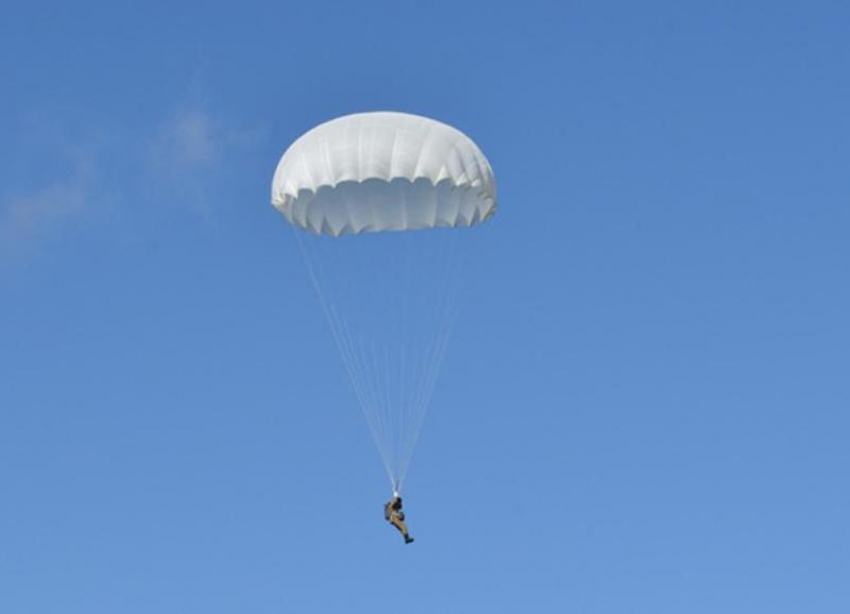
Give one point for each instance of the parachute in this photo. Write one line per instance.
(383, 198)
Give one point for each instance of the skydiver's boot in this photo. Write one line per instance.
(408, 539)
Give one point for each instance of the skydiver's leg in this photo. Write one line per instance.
(398, 524)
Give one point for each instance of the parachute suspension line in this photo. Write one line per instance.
(402, 399)
(419, 403)
(387, 400)
(380, 410)
(368, 402)
(344, 340)
(444, 310)
(393, 369)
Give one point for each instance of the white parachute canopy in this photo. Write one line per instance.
(360, 184)
(373, 172)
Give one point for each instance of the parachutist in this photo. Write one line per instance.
(391, 304)
(395, 516)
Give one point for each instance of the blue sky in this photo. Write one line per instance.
(648, 414)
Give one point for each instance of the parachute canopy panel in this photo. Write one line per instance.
(375, 172)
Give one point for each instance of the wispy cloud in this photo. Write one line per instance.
(188, 152)
(182, 161)
(28, 218)
(190, 140)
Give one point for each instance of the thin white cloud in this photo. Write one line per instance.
(188, 151)
(31, 217)
(184, 162)
(188, 141)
